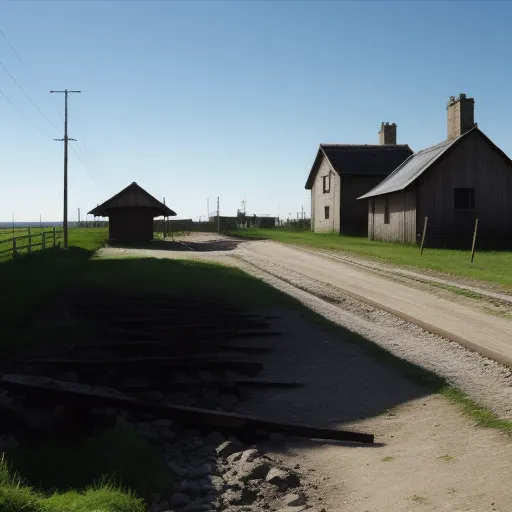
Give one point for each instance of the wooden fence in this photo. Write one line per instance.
(33, 240)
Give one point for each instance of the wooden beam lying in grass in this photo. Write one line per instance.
(221, 421)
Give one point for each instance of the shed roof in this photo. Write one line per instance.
(418, 163)
(133, 196)
(359, 159)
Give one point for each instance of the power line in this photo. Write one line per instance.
(16, 53)
(23, 116)
(27, 96)
(28, 69)
(83, 164)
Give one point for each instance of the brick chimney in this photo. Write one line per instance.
(387, 134)
(461, 115)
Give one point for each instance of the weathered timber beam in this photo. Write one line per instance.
(189, 415)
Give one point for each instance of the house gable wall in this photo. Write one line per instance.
(319, 200)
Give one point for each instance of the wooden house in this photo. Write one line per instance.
(464, 178)
(131, 213)
(343, 172)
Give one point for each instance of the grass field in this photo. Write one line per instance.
(493, 267)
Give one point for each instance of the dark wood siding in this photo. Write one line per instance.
(354, 213)
(131, 224)
(474, 163)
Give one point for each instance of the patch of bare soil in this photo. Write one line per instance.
(428, 456)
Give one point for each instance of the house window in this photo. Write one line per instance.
(327, 184)
(386, 209)
(326, 212)
(464, 198)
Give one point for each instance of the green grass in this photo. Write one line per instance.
(17, 496)
(446, 458)
(490, 266)
(387, 459)
(119, 455)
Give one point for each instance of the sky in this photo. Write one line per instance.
(196, 100)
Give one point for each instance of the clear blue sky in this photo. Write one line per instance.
(231, 99)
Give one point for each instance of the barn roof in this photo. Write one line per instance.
(418, 163)
(359, 159)
(133, 196)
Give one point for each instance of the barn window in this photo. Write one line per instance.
(326, 211)
(386, 209)
(327, 184)
(464, 198)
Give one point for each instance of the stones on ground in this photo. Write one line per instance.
(176, 469)
(179, 499)
(245, 471)
(240, 497)
(234, 457)
(227, 448)
(190, 486)
(200, 471)
(215, 438)
(249, 455)
(282, 479)
(293, 500)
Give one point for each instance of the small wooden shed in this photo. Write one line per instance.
(131, 213)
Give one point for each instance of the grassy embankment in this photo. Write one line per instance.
(489, 266)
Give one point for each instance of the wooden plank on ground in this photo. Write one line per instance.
(94, 396)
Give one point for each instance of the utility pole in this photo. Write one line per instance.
(218, 215)
(165, 225)
(66, 139)
(78, 217)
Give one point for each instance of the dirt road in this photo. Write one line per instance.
(492, 336)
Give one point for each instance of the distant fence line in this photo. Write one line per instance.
(37, 240)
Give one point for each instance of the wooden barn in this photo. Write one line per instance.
(342, 172)
(131, 213)
(464, 178)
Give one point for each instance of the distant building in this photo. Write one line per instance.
(343, 172)
(131, 213)
(452, 183)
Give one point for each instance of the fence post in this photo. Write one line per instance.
(474, 241)
(14, 248)
(43, 241)
(424, 233)
(54, 237)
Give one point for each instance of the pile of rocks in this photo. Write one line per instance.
(217, 474)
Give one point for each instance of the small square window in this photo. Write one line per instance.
(326, 212)
(327, 184)
(464, 198)
(386, 209)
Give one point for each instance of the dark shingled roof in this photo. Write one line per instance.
(418, 163)
(132, 196)
(360, 159)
